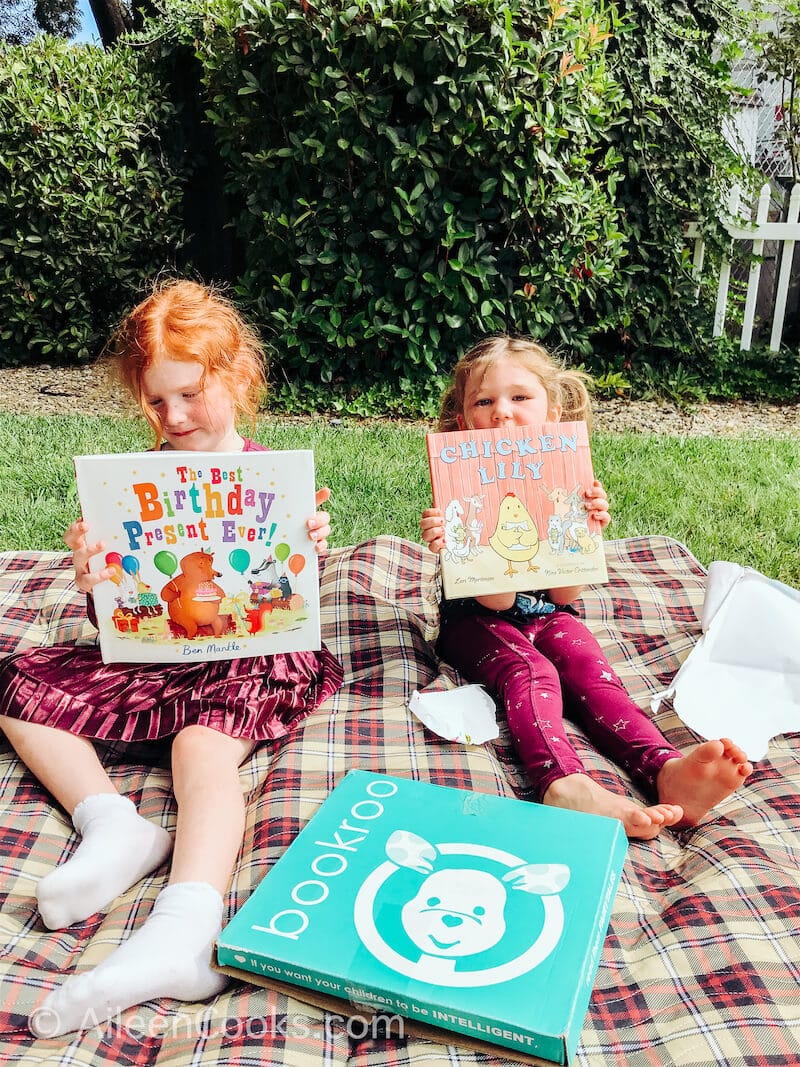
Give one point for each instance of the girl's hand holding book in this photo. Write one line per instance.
(597, 506)
(75, 539)
(432, 527)
(319, 525)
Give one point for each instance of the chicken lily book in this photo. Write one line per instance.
(514, 515)
(210, 553)
(470, 913)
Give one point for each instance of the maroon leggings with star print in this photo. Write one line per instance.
(534, 667)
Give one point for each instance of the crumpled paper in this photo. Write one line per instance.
(466, 714)
(742, 678)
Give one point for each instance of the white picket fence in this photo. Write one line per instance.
(756, 231)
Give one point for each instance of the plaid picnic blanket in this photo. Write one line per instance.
(701, 962)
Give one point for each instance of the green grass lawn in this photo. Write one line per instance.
(734, 499)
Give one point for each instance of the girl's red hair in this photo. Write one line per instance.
(183, 320)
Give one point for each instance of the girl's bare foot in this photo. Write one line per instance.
(702, 778)
(578, 792)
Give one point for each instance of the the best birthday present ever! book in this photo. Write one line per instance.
(210, 552)
(513, 508)
(470, 913)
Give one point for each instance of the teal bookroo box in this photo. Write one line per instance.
(479, 915)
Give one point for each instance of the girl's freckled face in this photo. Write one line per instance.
(196, 415)
(506, 394)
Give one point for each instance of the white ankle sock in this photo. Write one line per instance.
(117, 848)
(169, 956)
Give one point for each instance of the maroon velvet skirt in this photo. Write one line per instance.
(70, 688)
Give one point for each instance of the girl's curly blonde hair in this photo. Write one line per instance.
(564, 387)
(184, 320)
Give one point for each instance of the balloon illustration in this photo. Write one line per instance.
(166, 563)
(130, 564)
(239, 559)
(296, 563)
(112, 558)
(282, 552)
(116, 577)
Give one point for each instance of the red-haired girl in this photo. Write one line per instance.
(194, 366)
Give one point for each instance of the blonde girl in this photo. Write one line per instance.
(533, 652)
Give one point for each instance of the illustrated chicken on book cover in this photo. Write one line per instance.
(210, 554)
(514, 514)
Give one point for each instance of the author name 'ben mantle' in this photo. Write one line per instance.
(195, 650)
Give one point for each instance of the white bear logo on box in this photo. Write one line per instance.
(460, 911)
(456, 913)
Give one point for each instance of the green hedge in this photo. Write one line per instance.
(673, 66)
(89, 199)
(409, 175)
(412, 174)
(403, 177)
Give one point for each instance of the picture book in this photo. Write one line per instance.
(473, 914)
(210, 553)
(514, 512)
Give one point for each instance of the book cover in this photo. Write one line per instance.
(474, 914)
(512, 501)
(210, 551)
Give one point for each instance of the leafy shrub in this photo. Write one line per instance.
(403, 176)
(409, 175)
(673, 64)
(412, 174)
(89, 201)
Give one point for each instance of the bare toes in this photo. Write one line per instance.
(670, 813)
(737, 756)
(638, 818)
(708, 752)
(732, 750)
(642, 830)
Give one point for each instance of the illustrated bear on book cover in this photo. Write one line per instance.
(513, 506)
(210, 554)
